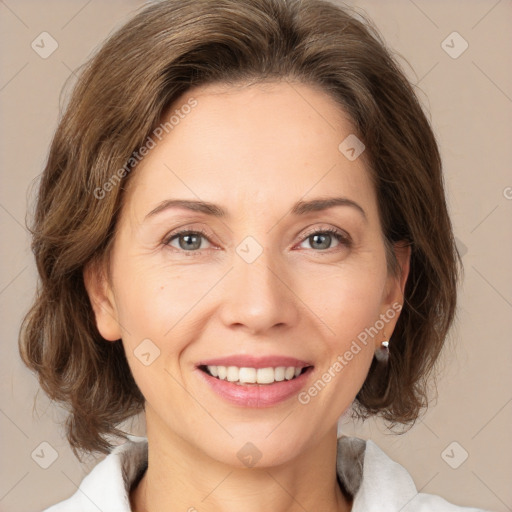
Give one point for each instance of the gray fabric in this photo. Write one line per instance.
(350, 462)
(365, 472)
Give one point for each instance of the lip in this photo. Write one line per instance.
(255, 395)
(247, 361)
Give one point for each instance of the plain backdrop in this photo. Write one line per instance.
(461, 449)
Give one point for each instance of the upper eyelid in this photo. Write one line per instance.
(308, 232)
(313, 230)
(184, 230)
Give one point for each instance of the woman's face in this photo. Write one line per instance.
(262, 277)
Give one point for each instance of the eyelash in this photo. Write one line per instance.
(341, 237)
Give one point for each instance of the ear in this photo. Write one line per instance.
(102, 300)
(395, 286)
(403, 256)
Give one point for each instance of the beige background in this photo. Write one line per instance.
(470, 101)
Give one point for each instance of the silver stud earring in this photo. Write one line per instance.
(382, 353)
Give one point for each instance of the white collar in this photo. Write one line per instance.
(379, 483)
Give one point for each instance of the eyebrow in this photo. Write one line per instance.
(299, 208)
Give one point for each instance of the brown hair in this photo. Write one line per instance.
(122, 92)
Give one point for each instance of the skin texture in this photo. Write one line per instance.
(254, 150)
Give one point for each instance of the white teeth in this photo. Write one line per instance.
(289, 373)
(279, 373)
(254, 375)
(265, 376)
(247, 375)
(232, 374)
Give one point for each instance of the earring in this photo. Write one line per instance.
(382, 353)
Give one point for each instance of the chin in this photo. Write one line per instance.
(252, 447)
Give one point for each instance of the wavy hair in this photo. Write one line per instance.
(122, 92)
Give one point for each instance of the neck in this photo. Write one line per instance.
(179, 477)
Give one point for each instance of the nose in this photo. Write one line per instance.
(259, 296)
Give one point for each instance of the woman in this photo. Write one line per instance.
(241, 230)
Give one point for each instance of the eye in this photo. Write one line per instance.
(322, 238)
(188, 240)
(191, 240)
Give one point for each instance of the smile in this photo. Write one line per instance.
(247, 375)
(254, 382)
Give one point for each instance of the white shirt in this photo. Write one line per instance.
(377, 483)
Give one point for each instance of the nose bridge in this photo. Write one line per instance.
(257, 295)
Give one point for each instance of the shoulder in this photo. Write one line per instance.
(107, 486)
(381, 484)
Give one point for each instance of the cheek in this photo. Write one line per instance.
(152, 298)
(150, 312)
(156, 304)
(350, 307)
(347, 299)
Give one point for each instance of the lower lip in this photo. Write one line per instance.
(256, 395)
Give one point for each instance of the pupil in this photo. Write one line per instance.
(190, 242)
(325, 245)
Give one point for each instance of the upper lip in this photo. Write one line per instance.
(247, 361)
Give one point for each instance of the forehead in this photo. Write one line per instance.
(252, 144)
